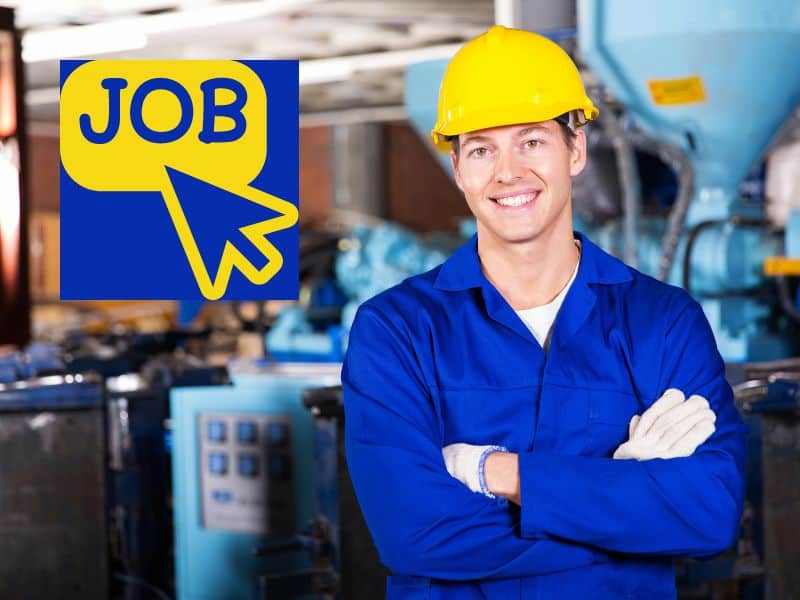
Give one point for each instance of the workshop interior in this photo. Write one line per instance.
(194, 450)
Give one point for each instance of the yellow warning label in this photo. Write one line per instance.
(781, 265)
(685, 90)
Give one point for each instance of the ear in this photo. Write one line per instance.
(577, 159)
(456, 174)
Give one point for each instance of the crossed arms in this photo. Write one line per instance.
(574, 509)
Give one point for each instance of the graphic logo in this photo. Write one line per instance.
(179, 179)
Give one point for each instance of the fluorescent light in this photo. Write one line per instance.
(81, 40)
(131, 33)
(212, 16)
(326, 70)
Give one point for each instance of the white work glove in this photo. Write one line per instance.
(465, 462)
(672, 427)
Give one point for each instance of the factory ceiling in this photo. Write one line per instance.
(352, 52)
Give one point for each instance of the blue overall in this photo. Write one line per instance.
(442, 358)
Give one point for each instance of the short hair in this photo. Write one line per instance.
(567, 132)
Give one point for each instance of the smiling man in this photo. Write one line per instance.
(517, 421)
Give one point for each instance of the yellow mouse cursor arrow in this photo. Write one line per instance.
(228, 226)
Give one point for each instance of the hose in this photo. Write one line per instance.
(694, 232)
(629, 178)
(679, 163)
(785, 298)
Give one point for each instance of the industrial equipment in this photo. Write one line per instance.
(770, 393)
(344, 562)
(52, 509)
(140, 469)
(360, 571)
(370, 260)
(704, 97)
(243, 476)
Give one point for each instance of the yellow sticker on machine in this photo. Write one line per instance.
(685, 90)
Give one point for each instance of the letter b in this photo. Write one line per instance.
(233, 110)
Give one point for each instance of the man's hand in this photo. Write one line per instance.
(672, 427)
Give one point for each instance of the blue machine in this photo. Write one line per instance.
(702, 77)
(371, 260)
(243, 477)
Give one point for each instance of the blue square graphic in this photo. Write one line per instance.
(118, 245)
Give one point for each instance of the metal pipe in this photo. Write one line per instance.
(680, 163)
(629, 178)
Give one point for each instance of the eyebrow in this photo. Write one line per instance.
(539, 128)
(524, 132)
(476, 138)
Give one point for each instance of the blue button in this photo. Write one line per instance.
(246, 432)
(277, 434)
(248, 465)
(221, 496)
(216, 431)
(218, 463)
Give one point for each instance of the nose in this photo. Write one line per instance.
(508, 168)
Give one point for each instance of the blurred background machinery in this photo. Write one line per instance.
(243, 473)
(52, 509)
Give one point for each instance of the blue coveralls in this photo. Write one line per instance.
(442, 358)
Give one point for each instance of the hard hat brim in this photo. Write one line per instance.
(510, 115)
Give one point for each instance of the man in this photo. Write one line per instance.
(516, 419)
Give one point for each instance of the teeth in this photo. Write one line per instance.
(516, 200)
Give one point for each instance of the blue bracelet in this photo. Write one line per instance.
(482, 463)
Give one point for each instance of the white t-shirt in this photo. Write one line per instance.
(540, 319)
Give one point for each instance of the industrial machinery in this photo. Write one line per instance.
(370, 260)
(770, 394)
(360, 573)
(140, 470)
(343, 560)
(243, 473)
(52, 509)
(711, 98)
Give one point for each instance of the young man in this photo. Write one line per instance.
(492, 402)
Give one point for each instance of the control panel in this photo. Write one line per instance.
(246, 472)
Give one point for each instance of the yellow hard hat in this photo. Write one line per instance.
(508, 76)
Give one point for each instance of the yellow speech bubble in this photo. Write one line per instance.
(130, 163)
(123, 123)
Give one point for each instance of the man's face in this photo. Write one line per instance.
(517, 179)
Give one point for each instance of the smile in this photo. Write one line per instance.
(517, 200)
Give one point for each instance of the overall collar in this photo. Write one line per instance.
(462, 271)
